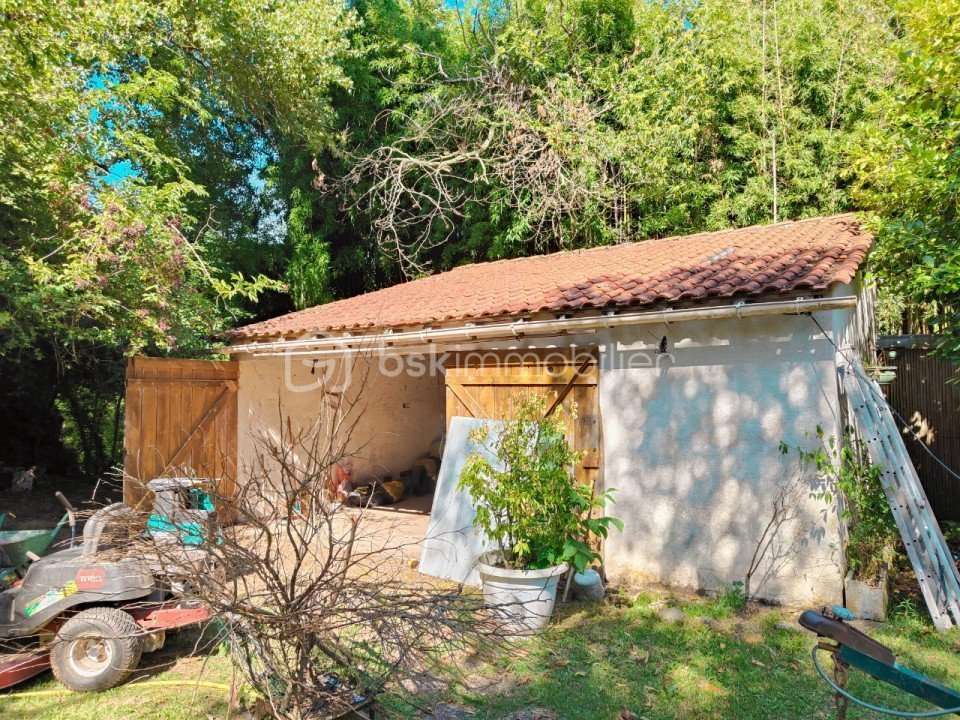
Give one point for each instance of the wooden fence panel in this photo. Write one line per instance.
(923, 394)
(181, 419)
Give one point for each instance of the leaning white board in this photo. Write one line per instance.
(452, 545)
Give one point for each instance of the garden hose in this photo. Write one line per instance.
(152, 683)
(870, 706)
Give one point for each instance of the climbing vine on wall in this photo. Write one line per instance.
(853, 481)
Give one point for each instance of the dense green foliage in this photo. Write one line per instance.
(573, 124)
(97, 261)
(170, 168)
(906, 167)
(528, 502)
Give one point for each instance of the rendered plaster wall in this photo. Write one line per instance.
(398, 414)
(691, 446)
(690, 441)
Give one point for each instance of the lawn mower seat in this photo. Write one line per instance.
(107, 527)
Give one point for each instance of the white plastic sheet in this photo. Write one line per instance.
(452, 544)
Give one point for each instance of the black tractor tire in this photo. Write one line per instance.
(96, 649)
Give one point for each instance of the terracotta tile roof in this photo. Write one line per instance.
(807, 255)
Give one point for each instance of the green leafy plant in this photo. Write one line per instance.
(871, 530)
(732, 598)
(904, 166)
(951, 531)
(529, 502)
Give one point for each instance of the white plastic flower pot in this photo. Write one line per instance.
(522, 600)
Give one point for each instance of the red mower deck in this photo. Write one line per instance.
(17, 667)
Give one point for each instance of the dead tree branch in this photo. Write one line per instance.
(319, 610)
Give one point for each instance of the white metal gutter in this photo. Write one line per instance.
(526, 328)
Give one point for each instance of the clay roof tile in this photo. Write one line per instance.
(766, 259)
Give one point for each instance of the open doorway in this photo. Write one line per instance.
(408, 423)
(400, 442)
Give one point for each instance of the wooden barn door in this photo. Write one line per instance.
(181, 419)
(486, 385)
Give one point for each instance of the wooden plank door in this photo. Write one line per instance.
(181, 419)
(488, 385)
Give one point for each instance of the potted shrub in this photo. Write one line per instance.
(871, 543)
(872, 534)
(529, 505)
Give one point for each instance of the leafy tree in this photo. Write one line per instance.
(905, 163)
(308, 273)
(395, 46)
(96, 264)
(558, 125)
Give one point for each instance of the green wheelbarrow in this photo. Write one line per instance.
(18, 548)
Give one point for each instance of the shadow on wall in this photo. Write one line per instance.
(692, 449)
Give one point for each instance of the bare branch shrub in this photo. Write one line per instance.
(787, 528)
(784, 533)
(320, 613)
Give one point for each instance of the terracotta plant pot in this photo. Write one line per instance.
(523, 600)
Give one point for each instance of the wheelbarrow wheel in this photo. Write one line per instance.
(96, 649)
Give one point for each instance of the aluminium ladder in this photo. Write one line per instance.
(928, 551)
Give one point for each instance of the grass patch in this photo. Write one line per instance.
(593, 662)
(44, 699)
(596, 661)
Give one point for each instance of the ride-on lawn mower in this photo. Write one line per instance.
(89, 611)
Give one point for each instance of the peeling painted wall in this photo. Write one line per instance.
(691, 447)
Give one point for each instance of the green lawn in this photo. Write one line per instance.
(149, 695)
(593, 662)
(596, 661)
